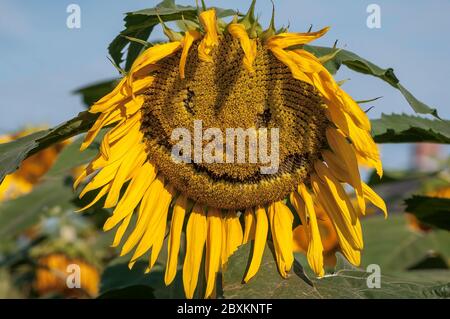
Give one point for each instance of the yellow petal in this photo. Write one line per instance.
(305, 61)
(146, 207)
(337, 191)
(155, 229)
(173, 246)
(213, 249)
(125, 127)
(210, 40)
(285, 58)
(195, 242)
(233, 235)
(338, 215)
(281, 220)
(103, 177)
(109, 99)
(159, 231)
(352, 108)
(250, 225)
(103, 120)
(286, 40)
(248, 45)
(299, 206)
(99, 195)
(121, 231)
(346, 155)
(262, 226)
(134, 159)
(123, 95)
(374, 199)
(315, 247)
(133, 195)
(151, 56)
(365, 146)
(187, 42)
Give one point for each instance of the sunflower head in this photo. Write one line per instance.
(229, 76)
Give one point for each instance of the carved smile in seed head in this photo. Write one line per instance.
(223, 94)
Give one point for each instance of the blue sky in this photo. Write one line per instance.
(43, 61)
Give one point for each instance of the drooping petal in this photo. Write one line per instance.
(211, 39)
(122, 95)
(339, 215)
(346, 155)
(336, 190)
(315, 247)
(196, 231)
(374, 198)
(286, 40)
(281, 220)
(146, 207)
(133, 195)
(284, 57)
(262, 227)
(248, 45)
(173, 246)
(187, 42)
(134, 159)
(250, 225)
(159, 230)
(213, 249)
(121, 230)
(156, 227)
(149, 57)
(105, 189)
(233, 235)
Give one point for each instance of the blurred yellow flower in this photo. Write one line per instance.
(51, 277)
(31, 170)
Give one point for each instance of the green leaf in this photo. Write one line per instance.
(139, 25)
(13, 153)
(402, 128)
(361, 65)
(431, 211)
(118, 281)
(94, 92)
(267, 283)
(53, 195)
(396, 247)
(346, 282)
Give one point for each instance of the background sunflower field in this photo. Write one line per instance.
(53, 72)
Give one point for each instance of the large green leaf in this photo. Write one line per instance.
(402, 128)
(13, 153)
(93, 92)
(346, 282)
(396, 247)
(53, 195)
(431, 211)
(118, 281)
(361, 65)
(140, 24)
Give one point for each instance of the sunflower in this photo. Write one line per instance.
(31, 170)
(229, 76)
(51, 276)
